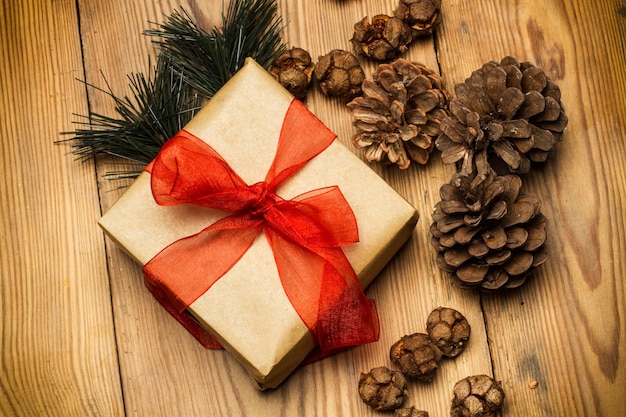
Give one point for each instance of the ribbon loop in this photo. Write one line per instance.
(305, 233)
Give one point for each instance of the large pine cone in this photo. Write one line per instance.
(399, 114)
(488, 235)
(506, 115)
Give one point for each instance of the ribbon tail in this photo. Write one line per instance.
(346, 316)
(332, 304)
(340, 329)
(184, 318)
(187, 268)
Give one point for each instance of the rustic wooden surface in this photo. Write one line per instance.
(81, 336)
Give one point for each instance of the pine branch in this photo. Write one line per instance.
(189, 59)
(207, 60)
(160, 106)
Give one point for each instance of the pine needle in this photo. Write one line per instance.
(251, 28)
(160, 106)
(190, 60)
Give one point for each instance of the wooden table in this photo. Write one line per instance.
(81, 336)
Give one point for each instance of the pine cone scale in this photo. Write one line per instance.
(448, 240)
(477, 248)
(454, 133)
(496, 279)
(495, 84)
(510, 102)
(534, 104)
(464, 235)
(511, 157)
(518, 129)
(495, 238)
(533, 78)
(525, 208)
(539, 258)
(498, 258)
(524, 145)
(519, 263)
(472, 274)
(536, 234)
(456, 256)
(551, 111)
(454, 206)
(518, 236)
(557, 126)
(544, 139)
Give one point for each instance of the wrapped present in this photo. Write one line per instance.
(258, 230)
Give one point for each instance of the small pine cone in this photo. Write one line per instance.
(488, 235)
(422, 15)
(339, 74)
(409, 412)
(477, 396)
(382, 39)
(416, 356)
(293, 70)
(383, 389)
(507, 115)
(449, 330)
(399, 114)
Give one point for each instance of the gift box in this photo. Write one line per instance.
(264, 302)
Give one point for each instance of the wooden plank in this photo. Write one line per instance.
(58, 352)
(565, 328)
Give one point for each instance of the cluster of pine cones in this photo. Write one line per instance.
(504, 119)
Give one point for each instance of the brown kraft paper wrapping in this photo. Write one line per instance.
(247, 309)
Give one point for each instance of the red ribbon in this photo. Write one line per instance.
(305, 233)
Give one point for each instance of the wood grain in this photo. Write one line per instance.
(565, 328)
(58, 349)
(82, 336)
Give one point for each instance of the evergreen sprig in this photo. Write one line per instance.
(191, 61)
(160, 106)
(251, 28)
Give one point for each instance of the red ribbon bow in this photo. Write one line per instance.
(305, 234)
